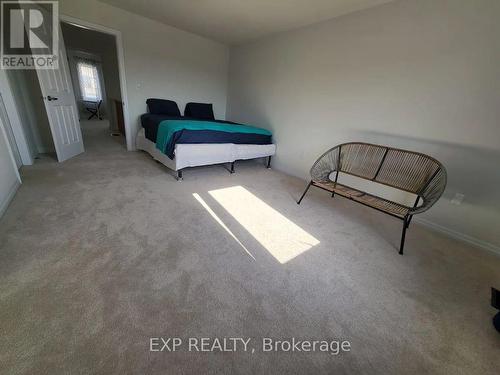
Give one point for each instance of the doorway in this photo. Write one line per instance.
(47, 98)
(94, 69)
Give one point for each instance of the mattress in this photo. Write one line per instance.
(167, 131)
(193, 155)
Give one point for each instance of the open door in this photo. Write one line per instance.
(59, 100)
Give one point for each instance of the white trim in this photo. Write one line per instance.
(459, 236)
(121, 68)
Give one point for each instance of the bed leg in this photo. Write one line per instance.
(179, 175)
(232, 168)
(268, 166)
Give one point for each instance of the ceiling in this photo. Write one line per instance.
(238, 21)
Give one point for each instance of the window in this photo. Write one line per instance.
(89, 81)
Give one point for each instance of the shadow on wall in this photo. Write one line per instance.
(472, 171)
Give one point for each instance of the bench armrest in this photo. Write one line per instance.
(431, 192)
(325, 165)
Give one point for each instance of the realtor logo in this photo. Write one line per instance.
(29, 34)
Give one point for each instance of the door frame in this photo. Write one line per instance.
(3, 133)
(14, 118)
(121, 67)
(11, 138)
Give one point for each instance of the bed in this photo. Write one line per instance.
(197, 138)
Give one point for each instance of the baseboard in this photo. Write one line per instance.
(459, 236)
(10, 195)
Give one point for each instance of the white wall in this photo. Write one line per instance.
(417, 74)
(161, 61)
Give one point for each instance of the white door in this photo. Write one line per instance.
(60, 104)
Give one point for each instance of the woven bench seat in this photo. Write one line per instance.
(408, 171)
(367, 199)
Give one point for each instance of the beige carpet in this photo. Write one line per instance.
(103, 252)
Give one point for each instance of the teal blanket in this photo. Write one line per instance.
(167, 128)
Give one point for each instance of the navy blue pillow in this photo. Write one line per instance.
(163, 107)
(201, 111)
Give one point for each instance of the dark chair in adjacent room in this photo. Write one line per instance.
(94, 109)
(412, 172)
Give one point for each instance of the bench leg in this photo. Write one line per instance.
(305, 191)
(411, 216)
(409, 221)
(336, 178)
(232, 168)
(406, 223)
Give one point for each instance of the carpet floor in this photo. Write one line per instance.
(105, 251)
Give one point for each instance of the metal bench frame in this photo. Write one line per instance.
(405, 170)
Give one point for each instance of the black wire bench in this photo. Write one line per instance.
(409, 171)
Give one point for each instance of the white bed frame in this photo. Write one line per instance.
(195, 155)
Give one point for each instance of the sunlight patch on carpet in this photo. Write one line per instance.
(281, 237)
(221, 223)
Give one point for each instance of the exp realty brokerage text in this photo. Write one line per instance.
(246, 344)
